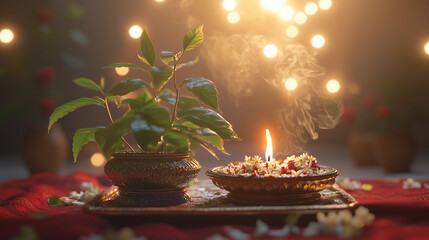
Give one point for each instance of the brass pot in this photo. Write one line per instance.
(361, 147)
(151, 179)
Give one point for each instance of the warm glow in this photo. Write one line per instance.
(135, 31)
(270, 51)
(333, 86)
(286, 13)
(6, 35)
(122, 71)
(269, 150)
(325, 4)
(97, 159)
(300, 18)
(310, 8)
(159, 0)
(229, 5)
(291, 84)
(427, 48)
(233, 17)
(318, 41)
(292, 31)
(273, 5)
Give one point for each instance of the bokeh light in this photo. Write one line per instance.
(318, 41)
(325, 4)
(270, 51)
(300, 18)
(233, 17)
(135, 31)
(291, 84)
(159, 0)
(122, 71)
(292, 31)
(6, 35)
(229, 5)
(310, 8)
(286, 13)
(427, 48)
(273, 5)
(333, 86)
(97, 159)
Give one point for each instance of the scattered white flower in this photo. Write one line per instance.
(345, 183)
(411, 184)
(311, 230)
(236, 234)
(261, 228)
(364, 215)
(285, 231)
(217, 236)
(79, 199)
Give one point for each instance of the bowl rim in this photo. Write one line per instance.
(332, 172)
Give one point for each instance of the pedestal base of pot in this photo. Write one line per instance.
(297, 199)
(151, 197)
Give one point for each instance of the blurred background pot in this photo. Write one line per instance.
(395, 151)
(360, 145)
(152, 179)
(43, 152)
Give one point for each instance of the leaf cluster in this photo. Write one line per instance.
(192, 120)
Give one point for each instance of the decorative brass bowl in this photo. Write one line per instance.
(274, 190)
(151, 179)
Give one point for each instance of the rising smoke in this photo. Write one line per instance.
(236, 60)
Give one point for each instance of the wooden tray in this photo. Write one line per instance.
(207, 199)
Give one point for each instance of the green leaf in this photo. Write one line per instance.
(204, 89)
(99, 99)
(167, 56)
(66, 108)
(147, 48)
(82, 137)
(208, 118)
(88, 83)
(147, 135)
(55, 201)
(138, 104)
(190, 63)
(161, 75)
(193, 38)
(202, 135)
(184, 101)
(40, 215)
(109, 139)
(155, 114)
(102, 83)
(126, 86)
(178, 140)
(129, 65)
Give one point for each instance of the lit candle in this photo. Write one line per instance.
(269, 150)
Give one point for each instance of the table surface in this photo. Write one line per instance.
(400, 213)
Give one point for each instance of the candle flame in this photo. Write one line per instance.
(269, 150)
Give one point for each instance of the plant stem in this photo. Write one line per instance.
(173, 117)
(111, 120)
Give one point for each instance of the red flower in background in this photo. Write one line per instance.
(44, 76)
(383, 111)
(349, 115)
(368, 101)
(44, 15)
(47, 106)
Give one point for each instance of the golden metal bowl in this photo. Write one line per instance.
(274, 190)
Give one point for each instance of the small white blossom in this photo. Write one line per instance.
(285, 231)
(261, 228)
(411, 184)
(345, 183)
(217, 236)
(236, 234)
(311, 230)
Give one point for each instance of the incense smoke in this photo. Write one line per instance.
(237, 61)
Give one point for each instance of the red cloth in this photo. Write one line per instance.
(400, 213)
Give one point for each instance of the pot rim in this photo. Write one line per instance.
(133, 155)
